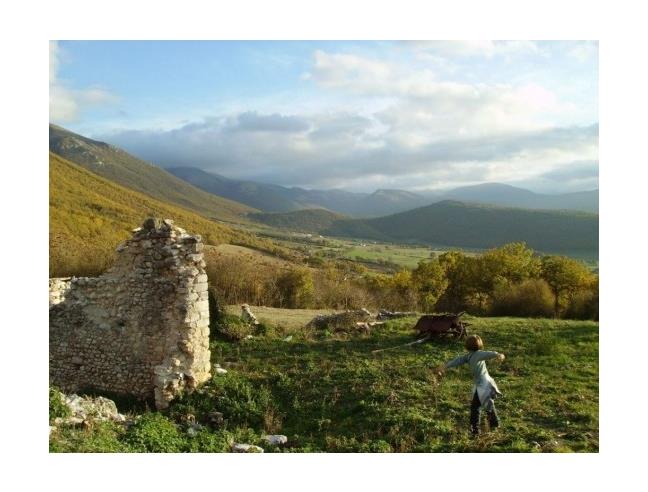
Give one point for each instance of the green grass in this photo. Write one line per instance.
(284, 321)
(393, 254)
(331, 394)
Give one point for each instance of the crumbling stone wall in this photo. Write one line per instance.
(142, 328)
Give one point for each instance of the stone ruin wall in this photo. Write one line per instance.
(140, 329)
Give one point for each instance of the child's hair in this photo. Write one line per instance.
(473, 343)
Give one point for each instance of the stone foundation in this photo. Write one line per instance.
(140, 329)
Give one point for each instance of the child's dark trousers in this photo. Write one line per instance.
(475, 407)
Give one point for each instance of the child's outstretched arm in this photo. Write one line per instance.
(487, 355)
(457, 361)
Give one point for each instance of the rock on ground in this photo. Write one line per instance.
(88, 408)
(246, 448)
(275, 439)
(248, 316)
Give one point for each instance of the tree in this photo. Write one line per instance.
(430, 282)
(296, 287)
(565, 277)
(462, 274)
(402, 286)
(509, 264)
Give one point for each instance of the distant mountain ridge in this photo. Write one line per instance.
(512, 196)
(276, 198)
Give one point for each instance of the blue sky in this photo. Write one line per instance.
(353, 115)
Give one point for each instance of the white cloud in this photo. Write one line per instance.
(423, 108)
(344, 150)
(426, 132)
(65, 103)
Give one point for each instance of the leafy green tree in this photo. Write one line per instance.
(509, 264)
(430, 282)
(401, 283)
(296, 287)
(463, 277)
(565, 277)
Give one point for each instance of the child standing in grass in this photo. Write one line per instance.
(485, 390)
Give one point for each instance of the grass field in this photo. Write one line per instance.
(375, 255)
(282, 321)
(330, 393)
(398, 255)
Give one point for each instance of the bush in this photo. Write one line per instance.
(206, 441)
(296, 288)
(57, 408)
(583, 305)
(230, 327)
(530, 299)
(240, 402)
(154, 433)
(215, 309)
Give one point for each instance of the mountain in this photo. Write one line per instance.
(385, 202)
(512, 196)
(309, 220)
(89, 215)
(456, 224)
(275, 198)
(120, 167)
(266, 197)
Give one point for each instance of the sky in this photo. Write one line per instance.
(355, 115)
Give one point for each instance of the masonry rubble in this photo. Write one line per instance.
(386, 314)
(246, 448)
(142, 328)
(275, 439)
(341, 321)
(248, 316)
(85, 408)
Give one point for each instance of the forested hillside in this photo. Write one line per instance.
(458, 224)
(310, 220)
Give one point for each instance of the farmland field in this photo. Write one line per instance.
(387, 253)
(329, 393)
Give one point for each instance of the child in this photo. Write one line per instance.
(485, 390)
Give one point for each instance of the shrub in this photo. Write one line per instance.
(240, 402)
(583, 305)
(154, 433)
(296, 288)
(215, 310)
(101, 437)
(229, 327)
(206, 441)
(531, 299)
(57, 408)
